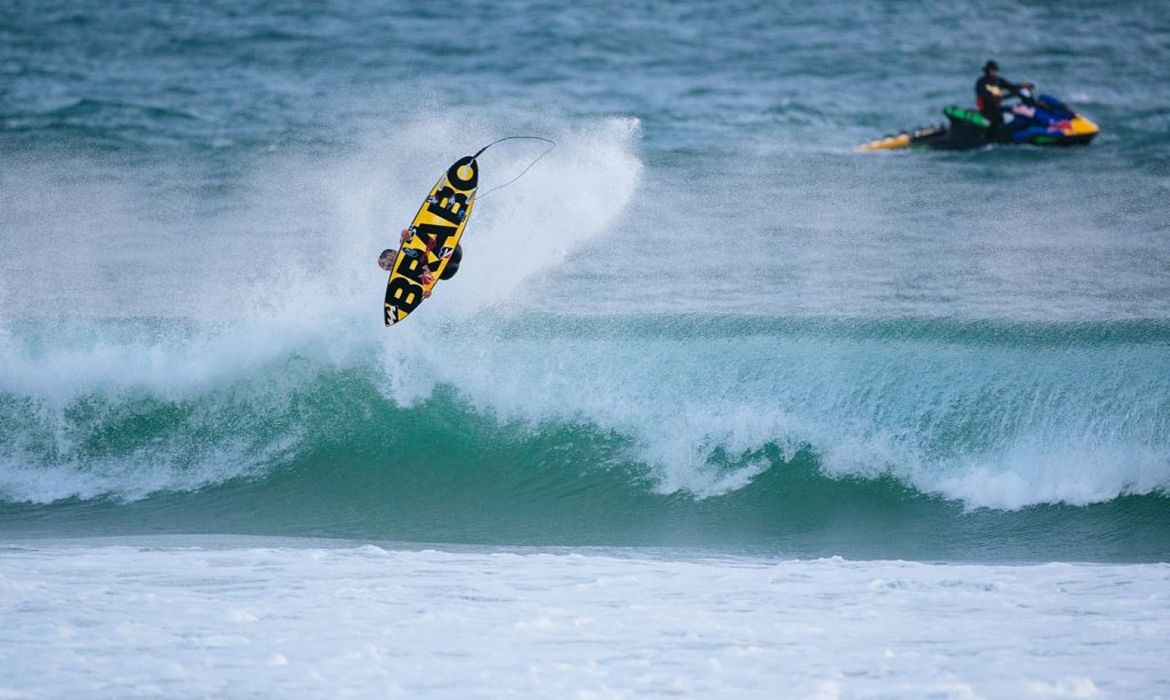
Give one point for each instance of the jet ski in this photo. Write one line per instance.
(1040, 120)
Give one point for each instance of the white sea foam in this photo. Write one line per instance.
(286, 619)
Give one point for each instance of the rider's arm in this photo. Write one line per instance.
(1013, 88)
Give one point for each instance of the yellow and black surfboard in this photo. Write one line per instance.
(436, 230)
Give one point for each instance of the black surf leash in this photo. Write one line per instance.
(551, 145)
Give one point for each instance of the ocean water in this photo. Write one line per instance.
(733, 395)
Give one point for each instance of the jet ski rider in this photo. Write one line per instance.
(990, 90)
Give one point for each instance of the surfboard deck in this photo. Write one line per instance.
(437, 228)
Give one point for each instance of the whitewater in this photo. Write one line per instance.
(715, 407)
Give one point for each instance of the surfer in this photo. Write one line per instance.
(990, 90)
(388, 256)
(386, 259)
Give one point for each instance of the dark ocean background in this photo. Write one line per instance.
(702, 322)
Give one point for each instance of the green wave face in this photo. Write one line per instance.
(916, 439)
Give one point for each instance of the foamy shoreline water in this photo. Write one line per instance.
(240, 617)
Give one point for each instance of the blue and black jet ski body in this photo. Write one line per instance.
(1040, 120)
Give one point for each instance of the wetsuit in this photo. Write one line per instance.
(453, 263)
(989, 94)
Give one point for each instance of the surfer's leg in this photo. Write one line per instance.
(453, 263)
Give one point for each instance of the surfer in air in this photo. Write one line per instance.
(386, 259)
(430, 250)
(388, 256)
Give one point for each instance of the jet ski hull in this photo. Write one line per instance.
(1044, 121)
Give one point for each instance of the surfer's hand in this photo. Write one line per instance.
(426, 294)
(406, 235)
